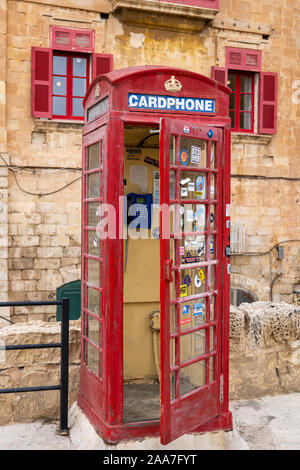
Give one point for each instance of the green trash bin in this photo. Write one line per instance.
(72, 290)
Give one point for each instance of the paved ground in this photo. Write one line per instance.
(32, 436)
(269, 423)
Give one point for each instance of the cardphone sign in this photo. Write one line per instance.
(171, 103)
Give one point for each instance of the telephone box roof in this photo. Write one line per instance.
(120, 75)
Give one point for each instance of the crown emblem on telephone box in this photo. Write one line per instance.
(173, 85)
(97, 91)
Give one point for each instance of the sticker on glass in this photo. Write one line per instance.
(186, 310)
(195, 155)
(189, 215)
(183, 290)
(191, 187)
(184, 192)
(197, 281)
(185, 181)
(181, 250)
(201, 275)
(187, 280)
(200, 246)
(184, 157)
(185, 321)
(200, 186)
(190, 259)
(198, 309)
(200, 216)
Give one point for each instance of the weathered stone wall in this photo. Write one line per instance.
(264, 350)
(264, 360)
(35, 367)
(264, 199)
(40, 234)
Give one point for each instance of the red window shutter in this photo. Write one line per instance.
(243, 59)
(235, 59)
(68, 39)
(41, 80)
(220, 74)
(83, 39)
(61, 38)
(268, 89)
(102, 63)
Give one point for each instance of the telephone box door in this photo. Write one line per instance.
(191, 275)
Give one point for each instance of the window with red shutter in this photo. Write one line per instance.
(61, 75)
(41, 76)
(220, 74)
(243, 69)
(268, 103)
(102, 63)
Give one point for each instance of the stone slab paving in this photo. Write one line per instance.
(268, 423)
(33, 436)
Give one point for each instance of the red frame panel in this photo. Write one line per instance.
(177, 417)
(103, 402)
(93, 386)
(69, 86)
(238, 94)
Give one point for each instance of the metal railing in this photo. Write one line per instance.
(64, 361)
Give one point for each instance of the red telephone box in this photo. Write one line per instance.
(155, 306)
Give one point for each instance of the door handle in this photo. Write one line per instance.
(168, 270)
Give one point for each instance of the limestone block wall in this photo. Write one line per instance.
(264, 360)
(43, 186)
(265, 178)
(44, 241)
(264, 350)
(41, 191)
(35, 367)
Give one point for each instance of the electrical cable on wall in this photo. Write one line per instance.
(261, 253)
(25, 170)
